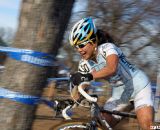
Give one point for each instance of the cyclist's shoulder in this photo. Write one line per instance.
(107, 45)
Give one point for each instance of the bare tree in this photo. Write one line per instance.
(126, 20)
(41, 27)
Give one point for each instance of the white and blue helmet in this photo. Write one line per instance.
(82, 31)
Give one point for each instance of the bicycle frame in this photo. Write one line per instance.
(96, 110)
(97, 116)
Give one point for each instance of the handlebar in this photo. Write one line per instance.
(86, 95)
(66, 111)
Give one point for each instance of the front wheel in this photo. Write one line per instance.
(75, 125)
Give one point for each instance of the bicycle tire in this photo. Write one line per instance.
(73, 125)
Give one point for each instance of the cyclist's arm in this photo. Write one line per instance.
(109, 70)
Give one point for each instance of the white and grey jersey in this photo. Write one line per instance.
(125, 72)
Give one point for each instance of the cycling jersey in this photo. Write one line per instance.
(128, 75)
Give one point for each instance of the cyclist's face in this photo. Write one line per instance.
(87, 51)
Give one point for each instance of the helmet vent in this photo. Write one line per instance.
(85, 28)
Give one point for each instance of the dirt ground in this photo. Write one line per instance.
(45, 119)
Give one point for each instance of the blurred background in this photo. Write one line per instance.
(134, 25)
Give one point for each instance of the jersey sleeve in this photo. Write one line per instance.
(108, 49)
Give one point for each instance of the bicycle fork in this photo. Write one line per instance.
(95, 113)
(103, 121)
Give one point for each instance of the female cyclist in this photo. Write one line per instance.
(103, 59)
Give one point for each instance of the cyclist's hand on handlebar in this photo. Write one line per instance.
(78, 78)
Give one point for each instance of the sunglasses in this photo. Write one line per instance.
(82, 45)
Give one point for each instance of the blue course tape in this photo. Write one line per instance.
(59, 79)
(93, 83)
(25, 99)
(157, 97)
(29, 56)
(97, 83)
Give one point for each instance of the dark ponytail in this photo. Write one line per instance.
(103, 37)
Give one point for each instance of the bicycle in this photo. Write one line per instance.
(97, 121)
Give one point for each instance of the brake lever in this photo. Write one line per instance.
(61, 105)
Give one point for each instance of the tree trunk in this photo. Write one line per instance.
(41, 27)
(157, 94)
